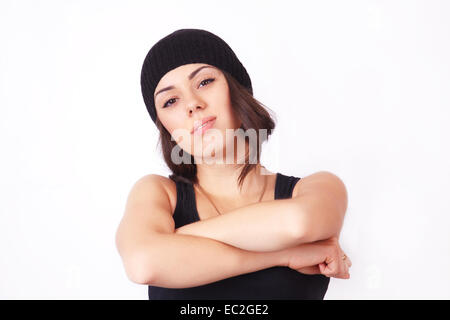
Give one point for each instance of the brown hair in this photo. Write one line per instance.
(248, 110)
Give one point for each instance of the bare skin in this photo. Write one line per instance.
(190, 102)
(317, 253)
(204, 95)
(142, 235)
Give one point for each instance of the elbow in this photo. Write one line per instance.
(139, 270)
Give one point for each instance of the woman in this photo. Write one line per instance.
(222, 226)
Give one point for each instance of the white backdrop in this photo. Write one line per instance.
(359, 88)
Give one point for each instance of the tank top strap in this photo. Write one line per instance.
(284, 186)
(185, 208)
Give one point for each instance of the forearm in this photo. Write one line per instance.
(263, 226)
(180, 261)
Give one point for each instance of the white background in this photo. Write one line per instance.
(359, 88)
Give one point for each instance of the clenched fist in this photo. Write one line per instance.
(320, 257)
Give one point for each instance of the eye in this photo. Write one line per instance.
(212, 79)
(166, 104)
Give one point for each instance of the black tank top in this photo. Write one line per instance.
(277, 282)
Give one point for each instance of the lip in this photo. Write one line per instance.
(203, 121)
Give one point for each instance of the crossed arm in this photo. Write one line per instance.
(315, 213)
(244, 240)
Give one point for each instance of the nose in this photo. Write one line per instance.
(191, 109)
(194, 103)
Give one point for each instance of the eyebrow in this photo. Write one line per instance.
(193, 73)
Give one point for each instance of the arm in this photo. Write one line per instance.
(315, 213)
(263, 226)
(153, 254)
(181, 261)
(321, 205)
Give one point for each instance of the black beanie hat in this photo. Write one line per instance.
(186, 46)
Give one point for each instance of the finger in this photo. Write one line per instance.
(331, 269)
(346, 269)
(347, 259)
(348, 262)
(342, 276)
(342, 265)
(325, 270)
(322, 268)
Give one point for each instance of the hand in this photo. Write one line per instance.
(334, 265)
(320, 257)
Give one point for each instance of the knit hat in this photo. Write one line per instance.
(186, 46)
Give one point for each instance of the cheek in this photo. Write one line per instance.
(170, 120)
(175, 128)
(229, 120)
(223, 109)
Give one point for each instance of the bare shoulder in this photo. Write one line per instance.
(164, 185)
(147, 213)
(325, 178)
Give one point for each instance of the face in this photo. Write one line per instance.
(186, 95)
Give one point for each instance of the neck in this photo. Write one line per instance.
(220, 179)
